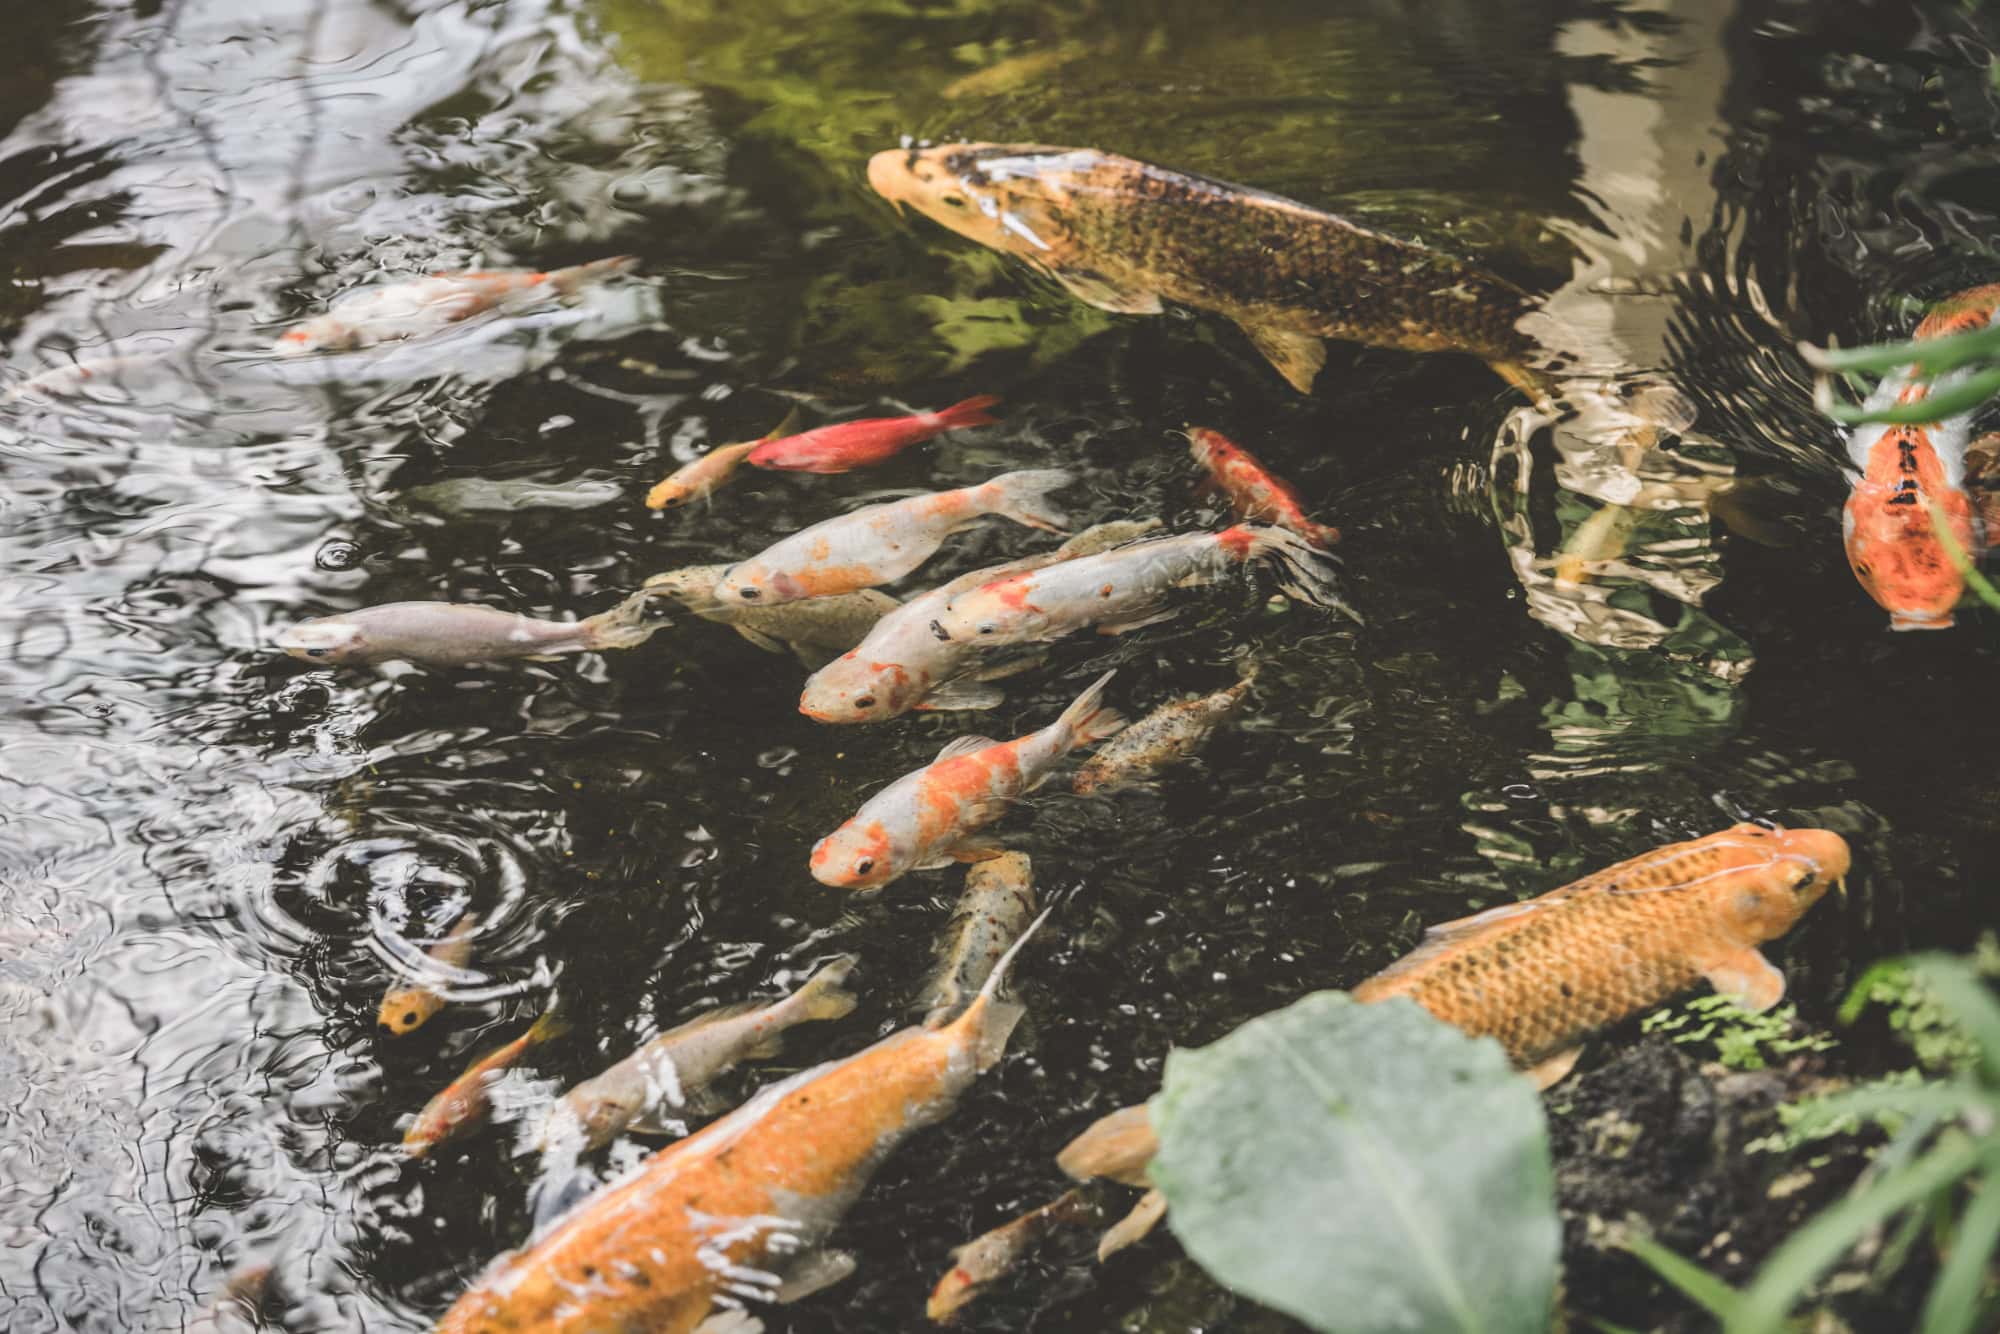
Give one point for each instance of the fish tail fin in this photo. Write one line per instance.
(826, 996)
(568, 280)
(624, 626)
(992, 1019)
(553, 1023)
(1321, 535)
(1024, 498)
(969, 412)
(1088, 720)
(784, 428)
(1304, 572)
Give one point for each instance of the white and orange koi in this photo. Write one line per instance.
(879, 544)
(925, 818)
(1888, 527)
(466, 1102)
(407, 1006)
(901, 665)
(1132, 586)
(402, 310)
(740, 1211)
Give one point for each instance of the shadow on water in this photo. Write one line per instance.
(211, 858)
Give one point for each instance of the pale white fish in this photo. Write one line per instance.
(925, 819)
(411, 309)
(1131, 586)
(451, 634)
(879, 544)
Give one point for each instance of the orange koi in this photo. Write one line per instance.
(845, 446)
(467, 1101)
(708, 1222)
(1541, 976)
(1256, 493)
(407, 1006)
(706, 475)
(1893, 546)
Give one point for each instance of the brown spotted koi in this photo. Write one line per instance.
(991, 913)
(925, 819)
(879, 544)
(1890, 532)
(815, 630)
(467, 1101)
(1167, 736)
(407, 1006)
(1256, 493)
(990, 1256)
(402, 310)
(740, 1211)
(1128, 237)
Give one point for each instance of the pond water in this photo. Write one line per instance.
(211, 857)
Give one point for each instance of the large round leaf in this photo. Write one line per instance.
(1364, 1168)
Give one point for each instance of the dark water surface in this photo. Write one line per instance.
(211, 857)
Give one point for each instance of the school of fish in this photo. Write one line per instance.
(744, 1209)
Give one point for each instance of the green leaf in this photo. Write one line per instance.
(1931, 356)
(1363, 1168)
(1696, 1284)
(1957, 986)
(1964, 396)
(1954, 1301)
(1808, 1253)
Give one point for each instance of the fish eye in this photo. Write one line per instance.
(749, 594)
(952, 201)
(864, 866)
(318, 652)
(865, 702)
(988, 629)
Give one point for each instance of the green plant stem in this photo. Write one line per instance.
(1961, 397)
(1927, 356)
(1955, 1297)
(1699, 1286)
(1982, 587)
(1817, 1246)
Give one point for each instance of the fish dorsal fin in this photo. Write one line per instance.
(965, 745)
(1447, 936)
(1094, 289)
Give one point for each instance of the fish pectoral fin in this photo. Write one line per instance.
(1134, 1226)
(812, 1272)
(1094, 289)
(1748, 978)
(1002, 1017)
(1000, 671)
(659, 1119)
(965, 745)
(760, 639)
(1297, 356)
(730, 1320)
(1138, 622)
(1554, 1069)
(813, 656)
(975, 852)
(962, 695)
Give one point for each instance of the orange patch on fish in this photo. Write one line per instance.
(1892, 544)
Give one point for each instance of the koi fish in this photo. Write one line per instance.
(453, 634)
(1887, 526)
(709, 1221)
(1541, 976)
(925, 819)
(1168, 735)
(1255, 492)
(466, 1102)
(991, 1255)
(672, 1068)
(1128, 237)
(402, 310)
(1131, 586)
(994, 909)
(700, 479)
(815, 630)
(901, 665)
(845, 446)
(879, 544)
(408, 1006)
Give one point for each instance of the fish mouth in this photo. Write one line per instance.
(1920, 620)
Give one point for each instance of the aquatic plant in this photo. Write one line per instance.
(1743, 1039)
(1376, 1134)
(1941, 1166)
(1863, 368)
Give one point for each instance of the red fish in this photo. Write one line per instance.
(1892, 537)
(1257, 494)
(846, 446)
